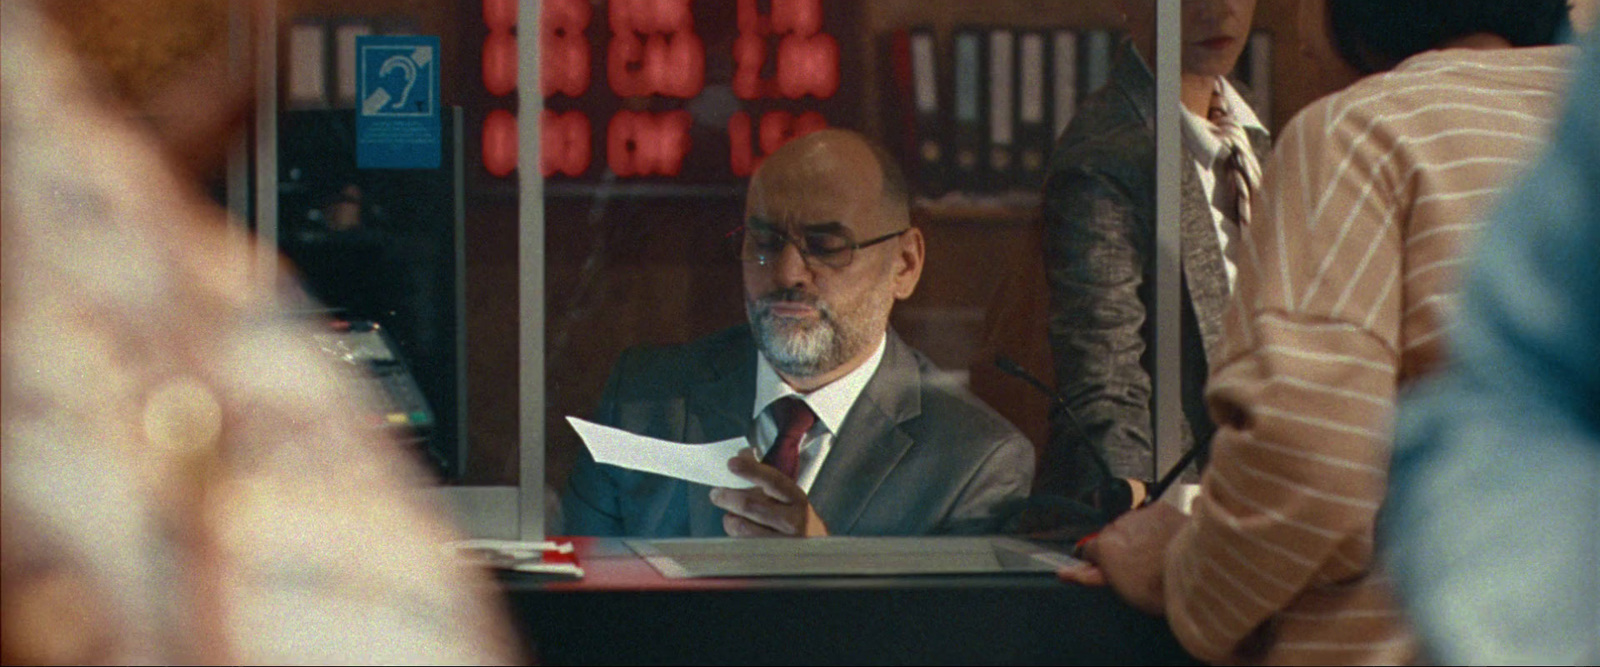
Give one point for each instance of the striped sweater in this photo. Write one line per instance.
(1345, 287)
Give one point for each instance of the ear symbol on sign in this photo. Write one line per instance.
(408, 67)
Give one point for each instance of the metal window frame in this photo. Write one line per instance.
(1168, 415)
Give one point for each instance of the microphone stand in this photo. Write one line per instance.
(1152, 493)
(1014, 369)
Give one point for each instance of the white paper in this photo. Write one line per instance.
(702, 464)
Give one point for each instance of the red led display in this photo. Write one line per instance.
(808, 65)
(564, 142)
(670, 69)
(654, 50)
(807, 59)
(500, 63)
(563, 47)
(775, 129)
(500, 15)
(500, 142)
(644, 144)
(667, 65)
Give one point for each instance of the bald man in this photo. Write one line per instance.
(852, 431)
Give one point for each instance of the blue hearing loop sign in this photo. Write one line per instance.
(397, 108)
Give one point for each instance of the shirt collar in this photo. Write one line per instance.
(1197, 130)
(830, 403)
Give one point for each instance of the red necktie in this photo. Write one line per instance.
(794, 418)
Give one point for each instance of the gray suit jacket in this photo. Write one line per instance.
(915, 455)
(1100, 260)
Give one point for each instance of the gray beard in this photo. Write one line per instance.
(801, 349)
(797, 349)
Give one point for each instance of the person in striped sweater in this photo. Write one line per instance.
(1345, 287)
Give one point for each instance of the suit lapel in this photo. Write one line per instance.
(1203, 269)
(718, 409)
(870, 443)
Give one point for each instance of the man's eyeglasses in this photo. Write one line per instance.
(833, 249)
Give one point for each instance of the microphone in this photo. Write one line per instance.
(1152, 492)
(1111, 494)
(1014, 369)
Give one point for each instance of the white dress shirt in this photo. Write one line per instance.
(1211, 162)
(830, 403)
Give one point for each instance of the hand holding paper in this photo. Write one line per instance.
(775, 507)
(759, 499)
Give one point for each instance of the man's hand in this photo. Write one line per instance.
(1131, 554)
(775, 507)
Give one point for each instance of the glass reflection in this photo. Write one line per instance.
(638, 258)
(405, 243)
(655, 115)
(1103, 251)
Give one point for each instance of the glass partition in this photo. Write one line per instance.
(645, 176)
(573, 223)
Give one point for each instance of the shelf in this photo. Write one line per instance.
(1016, 207)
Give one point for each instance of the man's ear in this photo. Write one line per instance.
(908, 263)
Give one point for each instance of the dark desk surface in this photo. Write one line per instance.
(624, 612)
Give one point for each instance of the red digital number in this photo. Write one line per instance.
(775, 129)
(799, 17)
(651, 16)
(654, 50)
(807, 58)
(644, 144)
(500, 63)
(500, 15)
(500, 142)
(749, 54)
(668, 65)
(564, 143)
(808, 65)
(563, 48)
